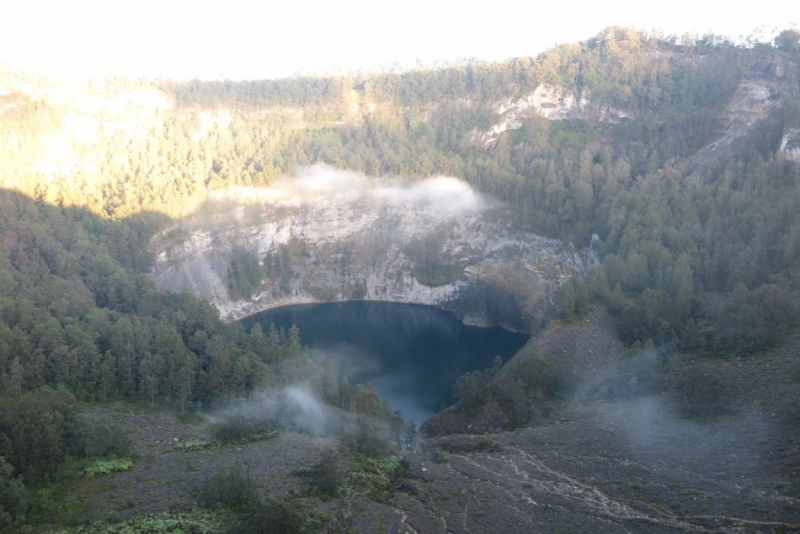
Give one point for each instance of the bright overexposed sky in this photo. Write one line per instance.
(247, 39)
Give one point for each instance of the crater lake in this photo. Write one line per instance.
(412, 354)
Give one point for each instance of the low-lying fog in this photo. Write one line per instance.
(323, 184)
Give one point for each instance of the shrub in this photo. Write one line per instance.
(752, 320)
(244, 274)
(32, 451)
(538, 375)
(274, 516)
(13, 497)
(242, 429)
(325, 474)
(191, 445)
(572, 299)
(527, 378)
(368, 437)
(433, 266)
(377, 477)
(471, 391)
(95, 436)
(513, 399)
(234, 488)
(198, 521)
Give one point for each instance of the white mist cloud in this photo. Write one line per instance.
(440, 194)
(627, 401)
(350, 361)
(322, 180)
(321, 184)
(297, 405)
(308, 411)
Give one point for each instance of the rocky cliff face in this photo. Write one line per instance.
(790, 143)
(550, 102)
(431, 244)
(765, 87)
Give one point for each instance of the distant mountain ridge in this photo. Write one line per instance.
(120, 146)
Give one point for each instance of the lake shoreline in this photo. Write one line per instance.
(412, 353)
(474, 320)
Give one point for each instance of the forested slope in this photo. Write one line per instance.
(81, 323)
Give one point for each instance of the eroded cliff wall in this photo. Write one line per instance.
(332, 236)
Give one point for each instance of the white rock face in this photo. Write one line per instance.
(548, 101)
(790, 144)
(760, 92)
(209, 120)
(610, 114)
(362, 246)
(551, 102)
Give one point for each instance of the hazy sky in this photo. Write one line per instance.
(251, 39)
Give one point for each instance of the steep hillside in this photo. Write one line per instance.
(630, 460)
(598, 137)
(119, 146)
(766, 86)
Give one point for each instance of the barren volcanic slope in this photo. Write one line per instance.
(613, 465)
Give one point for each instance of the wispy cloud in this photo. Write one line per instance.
(324, 184)
(296, 405)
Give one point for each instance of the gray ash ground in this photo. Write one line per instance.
(599, 470)
(594, 469)
(634, 465)
(171, 480)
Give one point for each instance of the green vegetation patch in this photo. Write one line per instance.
(327, 134)
(106, 466)
(237, 491)
(326, 477)
(376, 477)
(435, 273)
(573, 132)
(199, 522)
(331, 117)
(244, 274)
(242, 430)
(191, 445)
(323, 293)
(433, 266)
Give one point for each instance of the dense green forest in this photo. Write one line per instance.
(80, 322)
(697, 257)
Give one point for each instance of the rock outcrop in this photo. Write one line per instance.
(790, 143)
(550, 102)
(763, 89)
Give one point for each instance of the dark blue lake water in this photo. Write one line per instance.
(411, 354)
